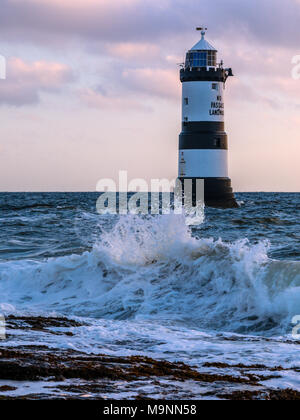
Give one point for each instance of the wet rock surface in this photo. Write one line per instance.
(38, 372)
(275, 394)
(41, 324)
(34, 364)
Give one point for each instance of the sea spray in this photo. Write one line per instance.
(152, 268)
(143, 240)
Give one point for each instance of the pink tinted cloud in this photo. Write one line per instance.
(46, 74)
(134, 50)
(155, 82)
(273, 91)
(25, 81)
(132, 89)
(96, 99)
(285, 86)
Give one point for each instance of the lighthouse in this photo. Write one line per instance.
(203, 144)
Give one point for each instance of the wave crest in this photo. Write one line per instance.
(152, 268)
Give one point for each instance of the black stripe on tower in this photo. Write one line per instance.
(203, 75)
(203, 135)
(217, 192)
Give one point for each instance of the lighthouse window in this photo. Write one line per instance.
(196, 59)
(186, 101)
(215, 86)
(212, 58)
(201, 59)
(218, 143)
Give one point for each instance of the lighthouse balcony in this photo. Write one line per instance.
(213, 74)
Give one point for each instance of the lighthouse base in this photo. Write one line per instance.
(217, 192)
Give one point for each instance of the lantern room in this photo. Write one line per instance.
(203, 54)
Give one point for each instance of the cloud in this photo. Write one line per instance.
(118, 20)
(156, 82)
(139, 52)
(144, 39)
(243, 93)
(94, 98)
(265, 22)
(25, 81)
(132, 88)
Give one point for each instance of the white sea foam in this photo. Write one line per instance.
(151, 268)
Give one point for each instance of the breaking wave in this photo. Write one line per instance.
(153, 268)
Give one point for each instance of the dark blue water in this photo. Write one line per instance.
(41, 225)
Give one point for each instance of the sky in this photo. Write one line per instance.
(93, 88)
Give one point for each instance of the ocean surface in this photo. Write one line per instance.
(225, 290)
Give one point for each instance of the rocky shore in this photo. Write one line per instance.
(38, 372)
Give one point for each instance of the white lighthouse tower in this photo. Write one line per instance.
(203, 145)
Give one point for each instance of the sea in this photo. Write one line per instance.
(217, 294)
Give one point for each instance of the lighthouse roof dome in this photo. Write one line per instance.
(203, 45)
(202, 54)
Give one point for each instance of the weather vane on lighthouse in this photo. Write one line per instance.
(203, 30)
(203, 145)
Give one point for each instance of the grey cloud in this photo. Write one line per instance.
(270, 22)
(167, 23)
(111, 21)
